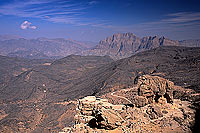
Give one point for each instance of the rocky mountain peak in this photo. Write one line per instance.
(123, 45)
(119, 37)
(124, 35)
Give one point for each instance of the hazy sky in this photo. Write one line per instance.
(94, 20)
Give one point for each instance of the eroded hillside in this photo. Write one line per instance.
(43, 98)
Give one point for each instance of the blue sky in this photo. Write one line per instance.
(93, 20)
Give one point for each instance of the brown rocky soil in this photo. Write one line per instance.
(32, 97)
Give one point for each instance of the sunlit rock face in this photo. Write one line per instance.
(99, 113)
(161, 113)
(154, 87)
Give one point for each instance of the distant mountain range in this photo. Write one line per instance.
(8, 37)
(190, 43)
(117, 46)
(40, 48)
(124, 45)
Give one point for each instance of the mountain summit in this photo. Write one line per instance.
(123, 45)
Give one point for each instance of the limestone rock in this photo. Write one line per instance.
(140, 101)
(153, 110)
(154, 117)
(98, 113)
(109, 119)
(154, 87)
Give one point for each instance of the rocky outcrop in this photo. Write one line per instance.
(154, 110)
(154, 87)
(98, 113)
(140, 101)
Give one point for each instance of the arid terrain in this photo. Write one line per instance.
(43, 97)
(99, 66)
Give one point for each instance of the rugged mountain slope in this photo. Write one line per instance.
(179, 64)
(41, 47)
(30, 54)
(126, 44)
(190, 43)
(34, 94)
(41, 95)
(57, 79)
(12, 67)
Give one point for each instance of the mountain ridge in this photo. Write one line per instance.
(122, 45)
(41, 48)
(117, 46)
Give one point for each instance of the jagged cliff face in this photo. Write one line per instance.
(125, 44)
(154, 42)
(120, 44)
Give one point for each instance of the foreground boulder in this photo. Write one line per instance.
(98, 113)
(99, 116)
(154, 87)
